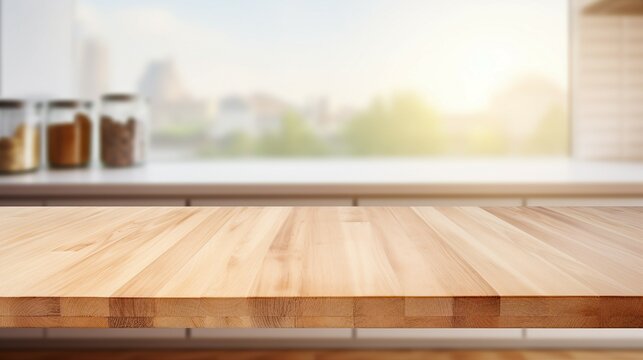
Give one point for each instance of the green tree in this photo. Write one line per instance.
(551, 137)
(294, 138)
(404, 126)
(486, 140)
(239, 144)
(234, 145)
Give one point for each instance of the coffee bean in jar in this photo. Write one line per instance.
(123, 135)
(69, 133)
(118, 141)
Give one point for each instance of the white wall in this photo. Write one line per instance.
(607, 96)
(36, 48)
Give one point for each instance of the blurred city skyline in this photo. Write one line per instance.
(236, 74)
(351, 51)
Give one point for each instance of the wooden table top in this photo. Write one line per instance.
(321, 267)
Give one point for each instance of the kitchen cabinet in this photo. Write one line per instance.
(21, 333)
(350, 178)
(115, 202)
(116, 333)
(439, 334)
(330, 201)
(473, 201)
(272, 334)
(586, 201)
(45, 66)
(21, 202)
(585, 334)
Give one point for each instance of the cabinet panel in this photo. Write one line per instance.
(273, 202)
(439, 202)
(415, 334)
(22, 333)
(283, 334)
(44, 67)
(580, 334)
(116, 202)
(116, 333)
(585, 201)
(18, 202)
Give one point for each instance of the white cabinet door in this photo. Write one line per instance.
(439, 202)
(601, 201)
(425, 334)
(273, 202)
(37, 48)
(116, 202)
(116, 333)
(272, 334)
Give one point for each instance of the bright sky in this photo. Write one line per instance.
(456, 53)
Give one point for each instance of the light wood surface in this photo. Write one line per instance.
(324, 355)
(321, 267)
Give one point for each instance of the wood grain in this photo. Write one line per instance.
(321, 267)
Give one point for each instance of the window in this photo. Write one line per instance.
(335, 77)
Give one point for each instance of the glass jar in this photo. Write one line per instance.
(69, 133)
(19, 136)
(123, 130)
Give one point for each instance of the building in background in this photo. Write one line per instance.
(179, 120)
(161, 81)
(253, 115)
(170, 102)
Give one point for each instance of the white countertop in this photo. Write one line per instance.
(322, 177)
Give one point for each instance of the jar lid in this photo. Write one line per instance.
(69, 103)
(11, 104)
(119, 97)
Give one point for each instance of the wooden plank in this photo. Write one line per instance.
(321, 267)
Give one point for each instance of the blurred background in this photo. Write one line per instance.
(345, 78)
(300, 79)
(335, 78)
